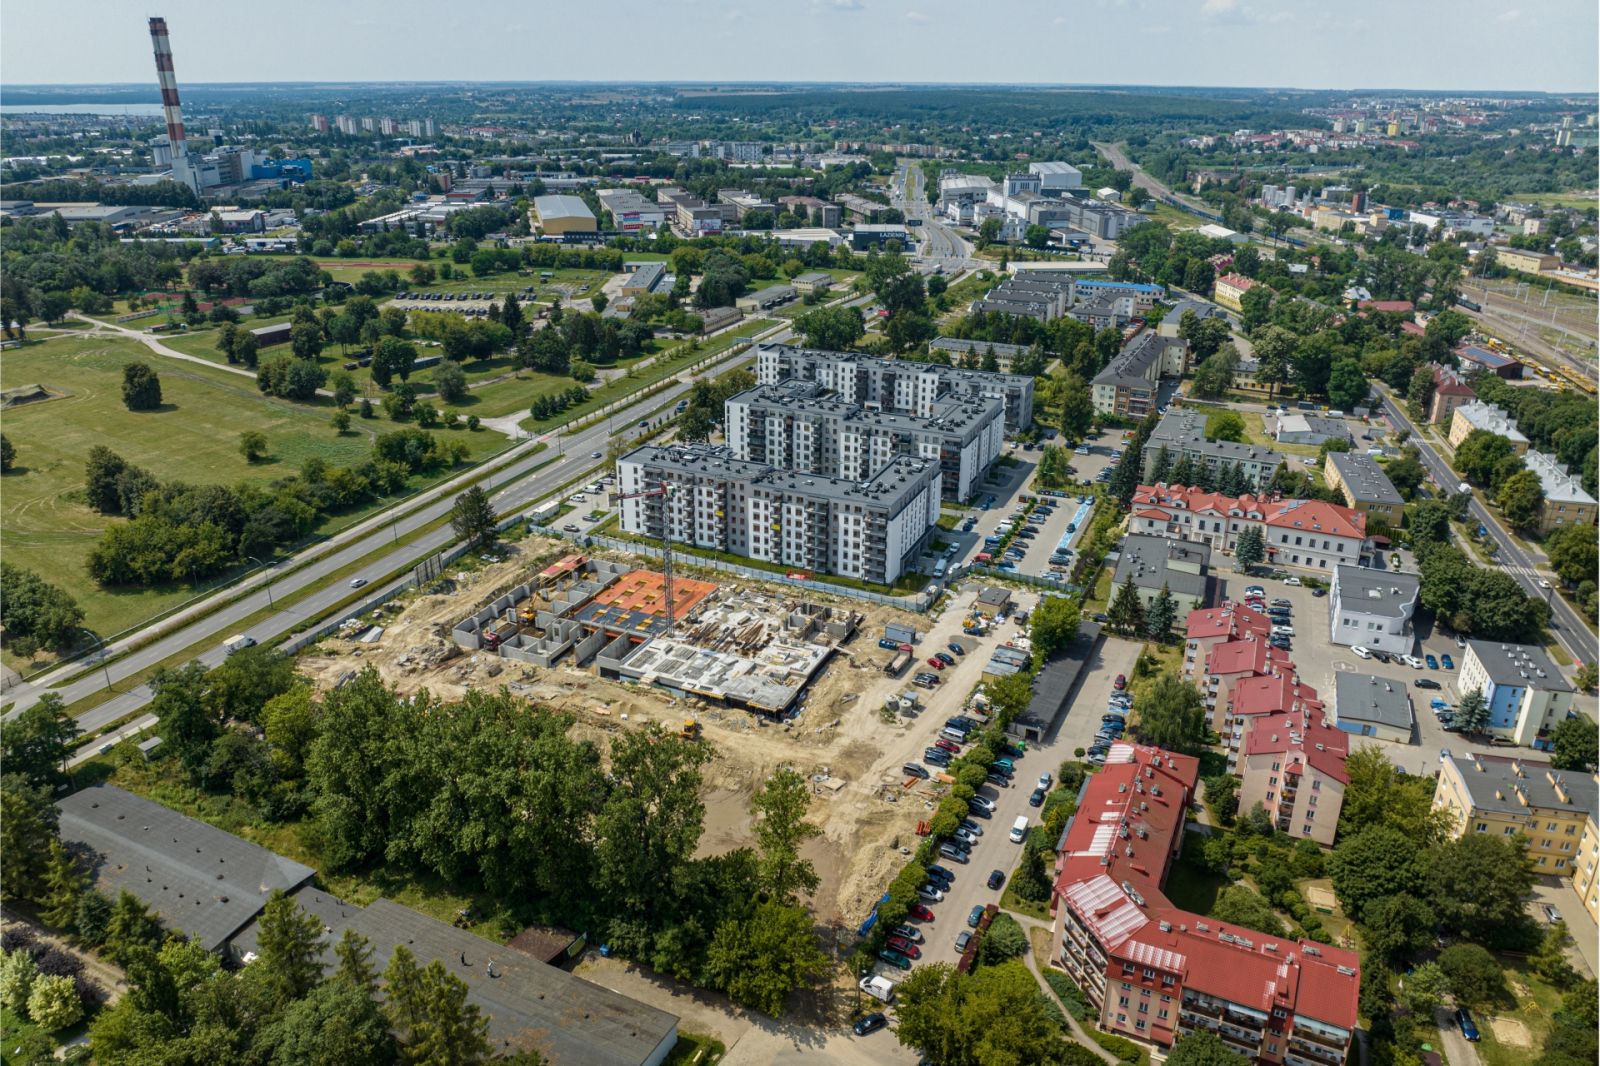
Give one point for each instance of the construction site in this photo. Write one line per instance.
(770, 676)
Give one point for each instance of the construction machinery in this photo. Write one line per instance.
(664, 490)
(690, 730)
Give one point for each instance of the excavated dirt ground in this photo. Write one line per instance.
(840, 734)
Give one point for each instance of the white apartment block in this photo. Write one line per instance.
(1525, 690)
(797, 426)
(872, 530)
(895, 384)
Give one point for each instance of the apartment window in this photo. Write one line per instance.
(1305, 830)
(1310, 815)
(1279, 1012)
(1122, 1019)
(1510, 829)
(1144, 1008)
(1571, 829)
(1272, 780)
(1312, 802)
(1316, 786)
(1561, 864)
(1122, 1001)
(1166, 982)
(1481, 827)
(1277, 766)
(1163, 1014)
(1542, 860)
(1149, 974)
(1141, 1025)
(1550, 827)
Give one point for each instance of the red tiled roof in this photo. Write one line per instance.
(1246, 656)
(1387, 305)
(1317, 516)
(1152, 512)
(1305, 735)
(1128, 913)
(1231, 621)
(1237, 281)
(1412, 328)
(1272, 694)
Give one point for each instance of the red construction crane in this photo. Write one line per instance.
(664, 490)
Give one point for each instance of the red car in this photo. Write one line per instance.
(905, 947)
(948, 745)
(936, 664)
(920, 912)
(1121, 682)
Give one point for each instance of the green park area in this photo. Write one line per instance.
(193, 437)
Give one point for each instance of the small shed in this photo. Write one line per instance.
(148, 748)
(993, 600)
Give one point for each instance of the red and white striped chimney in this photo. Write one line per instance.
(169, 88)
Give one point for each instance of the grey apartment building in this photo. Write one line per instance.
(871, 529)
(895, 384)
(1183, 433)
(798, 425)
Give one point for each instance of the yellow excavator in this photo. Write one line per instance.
(690, 730)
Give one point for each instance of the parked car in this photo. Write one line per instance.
(945, 657)
(976, 916)
(1427, 682)
(1381, 656)
(871, 1023)
(1036, 799)
(1121, 682)
(894, 958)
(1255, 590)
(972, 827)
(931, 894)
(936, 664)
(920, 912)
(1469, 1028)
(958, 649)
(998, 780)
(1045, 781)
(1292, 581)
(1280, 602)
(1550, 913)
(947, 745)
(974, 808)
(955, 851)
(915, 770)
(1433, 664)
(996, 878)
(908, 932)
(1361, 652)
(905, 947)
(1412, 661)
(1449, 663)
(1319, 592)
(963, 941)
(965, 837)
(939, 873)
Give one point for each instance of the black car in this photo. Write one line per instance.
(939, 873)
(1426, 682)
(998, 780)
(996, 878)
(870, 1024)
(1380, 656)
(1037, 798)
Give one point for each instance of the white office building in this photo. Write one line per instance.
(1373, 608)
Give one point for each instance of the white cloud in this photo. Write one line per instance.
(916, 16)
(1510, 16)
(1216, 8)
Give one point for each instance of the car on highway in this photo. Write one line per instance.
(1449, 663)
(357, 582)
(1426, 682)
(1433, 664)
(920, 912)
(894, 958)
(976, 916)
(597, 455)
(871, 1024)
(1036, 799)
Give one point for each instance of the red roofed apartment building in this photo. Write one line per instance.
(1309, 534)
(1450, 391)
(1209, 627)
(1293, 765)
(1157, 973)
(1230, 290)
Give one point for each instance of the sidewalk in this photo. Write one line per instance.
(1032, 960)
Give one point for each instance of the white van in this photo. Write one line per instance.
(1019, 829)
(1361, 652)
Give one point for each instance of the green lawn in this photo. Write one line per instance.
(1192, 889)
(1536, 999)
(194, 438)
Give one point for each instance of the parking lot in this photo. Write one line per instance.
(1318, 659)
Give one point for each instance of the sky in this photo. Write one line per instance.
(1312, 44)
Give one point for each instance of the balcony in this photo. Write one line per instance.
(1304, 1031)
(1323, 1056)
(1208, 1010)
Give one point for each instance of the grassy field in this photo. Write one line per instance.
(193, 438)
(1174, 217)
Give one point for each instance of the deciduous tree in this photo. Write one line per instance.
(781, 831)
(141, 387)
(762, 959)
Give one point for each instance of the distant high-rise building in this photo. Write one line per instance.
(319, 123)
(348, 124)
(1358, 201)
(388, 127)
(368, 124)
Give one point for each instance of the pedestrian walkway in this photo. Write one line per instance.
(1034, 964)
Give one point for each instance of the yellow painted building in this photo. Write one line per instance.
(1230, 291)
(1553, 809)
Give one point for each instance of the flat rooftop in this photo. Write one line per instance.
(767, 680)
(637, 602)
(1364, 698)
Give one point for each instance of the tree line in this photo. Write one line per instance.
(178, 532)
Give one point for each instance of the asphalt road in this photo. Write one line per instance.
(513, 488)
(1565, 624)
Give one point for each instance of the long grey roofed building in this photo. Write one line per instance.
(211, 886)
(1519, 665)
(1182, 431)
(1385, 593)
(1364, 698)
(1148, 561)
(530, 1005)
(201, 881)
(1493, 782)
(1367, 482)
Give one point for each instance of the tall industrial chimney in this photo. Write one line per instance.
(182, 171)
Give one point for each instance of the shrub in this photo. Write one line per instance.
(1068, 992)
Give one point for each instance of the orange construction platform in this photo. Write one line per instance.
(641, 592)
